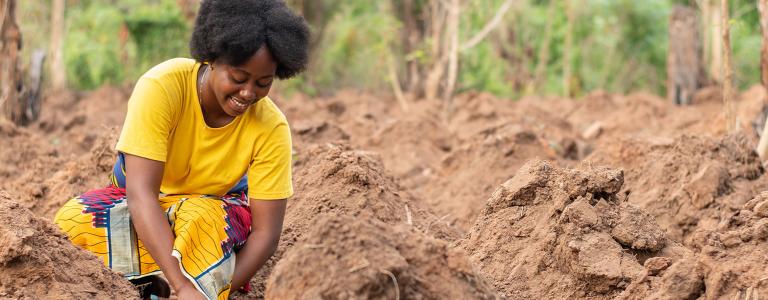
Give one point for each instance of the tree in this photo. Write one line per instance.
(570, 12)
(11, 105)
(728, 90)
(685, 66)
(58, 71)
(713, 49)
(762, 5)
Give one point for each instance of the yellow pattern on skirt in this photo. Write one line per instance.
(208, 231)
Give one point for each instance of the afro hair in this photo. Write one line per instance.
(232, 31)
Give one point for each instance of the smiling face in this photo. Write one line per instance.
(235, 88)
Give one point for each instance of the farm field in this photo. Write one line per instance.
(518, 199)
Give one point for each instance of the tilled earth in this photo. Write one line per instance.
(608, 196)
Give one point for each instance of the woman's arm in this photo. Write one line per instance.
(266, 225)
(143, 177)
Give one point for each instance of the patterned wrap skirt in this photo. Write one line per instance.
(208, 231)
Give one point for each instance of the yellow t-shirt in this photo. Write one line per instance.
(165, 123)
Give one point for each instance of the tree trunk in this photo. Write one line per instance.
(453, 56)
(728, 90)
(438, 14)
(58, 71)
(414, 18)
(11, 105)
(762, 5)
(543, 55)
(685, 69)
(568, 48)
(716, 42)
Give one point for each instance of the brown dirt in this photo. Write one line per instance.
(637, 199)
(729, 262)
(562, 233)
(337, 180)
(38, 262)
(368, 259)
(688, 183)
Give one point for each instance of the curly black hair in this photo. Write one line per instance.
(232, 31)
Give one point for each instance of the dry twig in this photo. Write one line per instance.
(488, 27)
(394, 280)
(408, 218)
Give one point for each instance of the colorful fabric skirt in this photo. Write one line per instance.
(208, 231)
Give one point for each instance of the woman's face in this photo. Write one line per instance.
(238, 87)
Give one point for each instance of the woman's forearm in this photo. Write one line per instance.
(154, 231)
(259, 247)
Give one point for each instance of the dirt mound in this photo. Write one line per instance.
(37, 261)
(411, 143)
(562, 233)
(354, 258)
(729, 264)
(67, 152)
(335, 179)
(734, 256)
(689, 182)
(45, 178)
(472, 171)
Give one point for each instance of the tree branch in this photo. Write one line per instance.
(488, 27)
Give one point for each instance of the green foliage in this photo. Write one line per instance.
(92, 49)
(745, 43)
(356, 46)
(619, 45)
(159, 33)
(95, 55)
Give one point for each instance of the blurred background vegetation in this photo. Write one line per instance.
(619, 45)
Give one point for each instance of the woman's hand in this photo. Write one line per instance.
(266, 225)
(189, 292)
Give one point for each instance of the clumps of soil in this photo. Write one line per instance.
(730, 262)
(343, 257)
(473, 170)
(68, 151)
(38, 262)
(562, 233)
(335, 179)
(45, 179)
(80, 174)
(663, 279)
(734, 255)
(688, 183)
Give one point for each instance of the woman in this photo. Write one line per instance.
(204, 169)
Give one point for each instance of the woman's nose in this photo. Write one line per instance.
(247, 94)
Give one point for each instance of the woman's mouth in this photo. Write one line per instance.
(238, 104)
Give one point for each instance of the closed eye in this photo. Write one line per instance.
(264, 85)
(236, 80)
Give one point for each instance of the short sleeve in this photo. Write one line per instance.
(269, 175)
(148, 121)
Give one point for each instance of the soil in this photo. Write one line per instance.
(39, 262)
(365, 258)
(562, 233)
(607, 196)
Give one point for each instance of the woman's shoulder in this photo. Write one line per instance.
(268, 113)
(174, 67)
